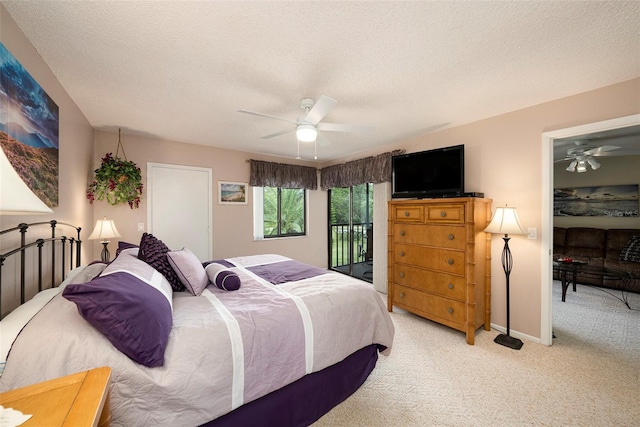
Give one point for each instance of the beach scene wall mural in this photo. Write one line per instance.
(607, 200)
(29, 129)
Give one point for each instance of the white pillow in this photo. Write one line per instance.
(13, 322)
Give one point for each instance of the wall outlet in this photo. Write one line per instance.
(141, 226)
(533, 233)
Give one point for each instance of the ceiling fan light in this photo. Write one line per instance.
(306, 133)
(572, 166)
(593, 163)
(582, 166)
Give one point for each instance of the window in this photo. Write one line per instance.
(279, 212)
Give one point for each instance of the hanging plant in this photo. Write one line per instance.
(116, 181)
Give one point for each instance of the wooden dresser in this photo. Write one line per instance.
(440, 261)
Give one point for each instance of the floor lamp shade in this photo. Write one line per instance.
(505, 221)
(16, 198)
(105, 229)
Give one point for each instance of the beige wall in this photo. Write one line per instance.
(75, 135)
(76, 146)
(620, 170)
(503, 159)
(232, 225)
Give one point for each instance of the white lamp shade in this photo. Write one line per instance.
(16, 198)
(306, 133)
(104, 229)
(505, 221)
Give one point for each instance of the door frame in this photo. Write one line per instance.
(351, 242)
(548, 138)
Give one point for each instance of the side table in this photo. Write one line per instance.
(76, 400)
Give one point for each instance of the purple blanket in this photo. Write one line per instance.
(286, 271)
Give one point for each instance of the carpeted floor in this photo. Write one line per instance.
(590, 376)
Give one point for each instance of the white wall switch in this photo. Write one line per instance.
(141, 226)
(533, 233)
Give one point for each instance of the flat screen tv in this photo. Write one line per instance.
(432, 173)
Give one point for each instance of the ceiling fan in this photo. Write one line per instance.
(307, 127)
(583, 154)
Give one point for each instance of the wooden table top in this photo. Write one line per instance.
(74, 400)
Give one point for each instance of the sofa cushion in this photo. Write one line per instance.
(617, 241)
(586, 242)
(559, 237)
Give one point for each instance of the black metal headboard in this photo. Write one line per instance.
(70, 246)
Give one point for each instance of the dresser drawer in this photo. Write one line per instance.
(434, 305)
(430, 281)
(444, 236)
(452, 213)
(447, 261)
(408, 213)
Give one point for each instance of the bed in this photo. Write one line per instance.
(257, 340)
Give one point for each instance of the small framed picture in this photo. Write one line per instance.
(232, 193)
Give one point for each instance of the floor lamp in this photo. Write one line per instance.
(104, 229)
(505, 221)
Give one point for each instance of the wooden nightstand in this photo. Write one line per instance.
(76, 400)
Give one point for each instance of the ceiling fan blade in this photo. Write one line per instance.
(343, 127)
(322, 140)
(320, 109)
(565, 159)
(603, 149)
(282, 132)
(267, 116)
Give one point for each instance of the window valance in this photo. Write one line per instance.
(373, 169)
(269, 174)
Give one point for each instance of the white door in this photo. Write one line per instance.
(179, 207)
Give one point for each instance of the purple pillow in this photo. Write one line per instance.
(154, 252)
(125, 245)
(222, 277)
(134, 316)
(189, 269)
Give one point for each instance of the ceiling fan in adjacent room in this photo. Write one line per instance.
(307, 127)
(583, 154)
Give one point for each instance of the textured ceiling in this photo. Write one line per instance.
(181, 70)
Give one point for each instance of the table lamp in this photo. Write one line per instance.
(104, 229)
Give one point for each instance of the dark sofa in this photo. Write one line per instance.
(600, 248)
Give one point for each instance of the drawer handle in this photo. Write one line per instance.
(401, 294)
(443, 214)
(402, 233)
(450, 236)
(401, 253)
(401, 274)
(406, 213)
(450, 261)
(450, 310)
(450, 286)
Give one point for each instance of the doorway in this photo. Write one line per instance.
(351, 230)
(546, 334)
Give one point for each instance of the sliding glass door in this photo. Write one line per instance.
(351, 231)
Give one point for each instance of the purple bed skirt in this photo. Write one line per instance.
(306, 400)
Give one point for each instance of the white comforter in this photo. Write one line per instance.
(225, 348)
